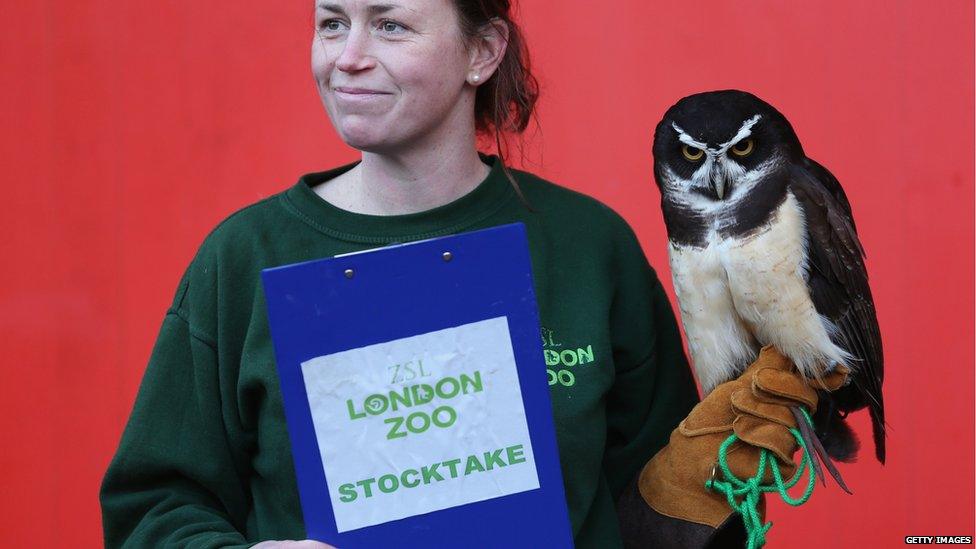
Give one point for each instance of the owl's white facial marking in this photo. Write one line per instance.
(687, 139)
(681, 189)
(703, 175)
(744, 131)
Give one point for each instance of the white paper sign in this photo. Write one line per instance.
(420, 424)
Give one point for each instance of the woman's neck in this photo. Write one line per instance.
(408, 182)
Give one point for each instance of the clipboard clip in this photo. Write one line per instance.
(447, 256)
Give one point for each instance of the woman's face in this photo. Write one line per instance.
(391, 72)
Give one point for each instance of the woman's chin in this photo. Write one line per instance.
(363, 139)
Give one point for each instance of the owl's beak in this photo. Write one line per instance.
(718, 181)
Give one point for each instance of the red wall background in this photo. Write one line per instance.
(129, 129)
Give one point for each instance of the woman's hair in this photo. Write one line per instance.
(506, 101)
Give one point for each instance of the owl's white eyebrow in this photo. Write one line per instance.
(744, 131)
(687, 139)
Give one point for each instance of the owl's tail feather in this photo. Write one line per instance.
(878, 430)
(865, 391)
(817, 452)
(838, 440)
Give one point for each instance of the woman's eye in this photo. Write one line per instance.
(330, 25)
(391, 26)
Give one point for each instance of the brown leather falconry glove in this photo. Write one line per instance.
(757, 408)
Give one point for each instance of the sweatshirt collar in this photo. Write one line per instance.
(471, 208)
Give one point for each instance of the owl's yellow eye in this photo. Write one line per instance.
(743, 148)
(691, 153)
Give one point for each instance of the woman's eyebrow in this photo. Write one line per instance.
(373, 9)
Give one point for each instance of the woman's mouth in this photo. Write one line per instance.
(358, 96)
(356, 91)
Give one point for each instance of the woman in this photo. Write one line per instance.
(205, 458)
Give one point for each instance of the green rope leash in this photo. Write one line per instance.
(751, 489)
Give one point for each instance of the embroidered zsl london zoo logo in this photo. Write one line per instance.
(562, 359)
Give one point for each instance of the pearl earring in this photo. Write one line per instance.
(475, 78)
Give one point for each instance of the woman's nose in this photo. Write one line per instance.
(355, 55)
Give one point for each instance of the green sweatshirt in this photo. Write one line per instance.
(205, 459)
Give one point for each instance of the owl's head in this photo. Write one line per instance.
(711, 148)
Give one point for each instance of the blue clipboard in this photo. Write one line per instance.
(416, 395)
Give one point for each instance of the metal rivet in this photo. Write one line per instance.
(447, 256)
(348, 273)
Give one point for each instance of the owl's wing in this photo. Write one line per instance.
(839, 288)
(830, 183)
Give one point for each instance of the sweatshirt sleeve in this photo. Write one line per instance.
(653, 389)
(641, 527)
(174, 480)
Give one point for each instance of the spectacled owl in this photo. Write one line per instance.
(763, 250)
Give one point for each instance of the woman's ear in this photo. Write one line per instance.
(487, 51)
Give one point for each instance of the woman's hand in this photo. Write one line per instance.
(290, 544)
